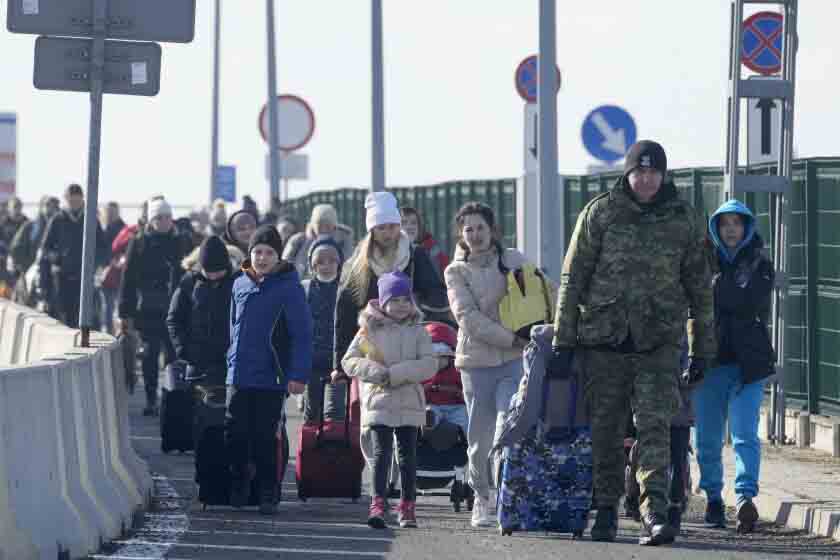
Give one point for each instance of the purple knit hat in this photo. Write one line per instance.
(391, 285)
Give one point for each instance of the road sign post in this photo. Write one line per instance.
(88, 62)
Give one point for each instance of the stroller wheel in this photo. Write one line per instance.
(505, 531)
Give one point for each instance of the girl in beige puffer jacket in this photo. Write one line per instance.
(391, 355)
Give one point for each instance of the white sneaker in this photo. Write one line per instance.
(481, 514)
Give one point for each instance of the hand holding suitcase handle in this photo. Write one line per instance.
(319, 434)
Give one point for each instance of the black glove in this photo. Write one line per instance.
(694, 373)
(560, 363)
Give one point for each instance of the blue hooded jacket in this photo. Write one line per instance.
(732, 207)
(270, 331)
(743, 286)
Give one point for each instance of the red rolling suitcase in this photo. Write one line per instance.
(329, 458)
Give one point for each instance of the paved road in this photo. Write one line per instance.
(177, 529)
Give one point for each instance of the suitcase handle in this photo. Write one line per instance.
(320, 432)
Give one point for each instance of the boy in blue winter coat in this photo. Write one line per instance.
(270, 353)
(743, 283)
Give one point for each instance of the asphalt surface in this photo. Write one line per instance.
(176, 527)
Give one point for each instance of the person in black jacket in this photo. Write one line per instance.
(152, 272)
(742, 284)
(385, 249)
(60, 267)
(199, 314)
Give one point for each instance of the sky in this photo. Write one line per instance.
(451, 109)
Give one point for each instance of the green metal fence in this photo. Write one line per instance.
(813, 303)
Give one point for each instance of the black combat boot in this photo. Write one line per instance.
(715, 515)
(747, 517)
(655, 530)
(605, 527)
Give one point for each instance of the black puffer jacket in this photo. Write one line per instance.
(152, 272)
(742, 305)
(199, 322)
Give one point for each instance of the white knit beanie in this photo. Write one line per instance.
(159, 207)
(382, 208)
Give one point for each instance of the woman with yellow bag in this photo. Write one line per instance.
(495, 296)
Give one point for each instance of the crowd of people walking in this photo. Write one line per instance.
(662, 312)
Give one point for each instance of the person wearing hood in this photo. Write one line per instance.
(240, 227)
(634, 280)
(325, 260)
(199, 313)
(324, 221)
(385, 249)
(391, 355)
(743, 283)
(152, 273)
(60, 265)
(270, 353)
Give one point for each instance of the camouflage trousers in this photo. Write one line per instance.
(615, 382)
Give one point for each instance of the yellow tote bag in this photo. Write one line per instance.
(527, 301)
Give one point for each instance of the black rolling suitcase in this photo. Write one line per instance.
(212, 467)
(176, 410)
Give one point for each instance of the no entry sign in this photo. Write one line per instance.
(761, 49)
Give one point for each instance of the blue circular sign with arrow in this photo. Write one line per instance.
(608, 132)
(761, 49)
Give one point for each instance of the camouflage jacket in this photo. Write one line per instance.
(639, 271)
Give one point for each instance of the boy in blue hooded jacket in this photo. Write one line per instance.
(270, 353)
(743, 283)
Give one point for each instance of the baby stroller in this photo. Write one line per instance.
(442, 442)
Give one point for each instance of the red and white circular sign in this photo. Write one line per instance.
(295, 122)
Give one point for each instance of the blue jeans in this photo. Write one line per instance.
(454, 413)
(720, 395)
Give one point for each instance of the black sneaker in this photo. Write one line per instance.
(747, 516)
(655, 530)
(675, 517)
(150, 410)
(715, 515)
(605, 527)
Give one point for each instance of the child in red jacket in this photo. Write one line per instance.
(444, 392)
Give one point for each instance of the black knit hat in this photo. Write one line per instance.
(266, 235)
(213, 255)
(646, 153)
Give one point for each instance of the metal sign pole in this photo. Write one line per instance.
(377, 100)
(214, 148)
(273, 137)
(97, 66)
(551, 220)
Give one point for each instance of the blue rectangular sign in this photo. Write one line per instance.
(224, 186)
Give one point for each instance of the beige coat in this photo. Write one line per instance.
(475, 285)
(391, 360)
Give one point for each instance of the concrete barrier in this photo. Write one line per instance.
(69, 478)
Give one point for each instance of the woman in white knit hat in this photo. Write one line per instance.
(323, 221)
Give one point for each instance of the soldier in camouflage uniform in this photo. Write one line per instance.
(635, 277)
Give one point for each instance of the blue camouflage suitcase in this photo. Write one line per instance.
(545, 478)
